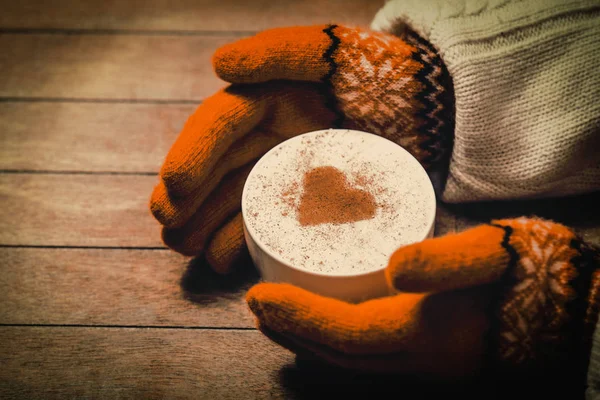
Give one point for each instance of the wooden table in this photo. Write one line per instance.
(92, 305)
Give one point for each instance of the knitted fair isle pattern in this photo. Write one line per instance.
(398, 89)
(551, 299)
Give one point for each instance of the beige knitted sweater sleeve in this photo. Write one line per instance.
(526, 78)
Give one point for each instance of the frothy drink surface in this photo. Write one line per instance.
(337, 202)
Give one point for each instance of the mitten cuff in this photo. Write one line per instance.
(548, 302)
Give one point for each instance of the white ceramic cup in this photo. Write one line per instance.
(340, 145)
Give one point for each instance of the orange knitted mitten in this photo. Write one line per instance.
(286, 82)
(516, 296)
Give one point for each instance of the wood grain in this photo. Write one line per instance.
(117, 363)
(108, 66)
(119, 287)
(77, 210)
(51, 136)
(138, 363)
(184, 15)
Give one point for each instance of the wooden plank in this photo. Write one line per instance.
(577, 212)
(119, 287)
(138, 363)
(77, 210)
(51, 136)
(108, 66)
(184, 15)
(101, 363)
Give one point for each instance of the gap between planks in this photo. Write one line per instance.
(25, 99)
(199, 328)
(128, 32)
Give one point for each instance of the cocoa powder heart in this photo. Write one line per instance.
(329, 198)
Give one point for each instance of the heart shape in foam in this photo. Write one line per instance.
(329, 198)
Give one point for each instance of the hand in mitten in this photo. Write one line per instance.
(517, 296)
(287, 82)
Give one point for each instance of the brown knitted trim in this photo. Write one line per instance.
(507, 280)
(331, 101)
(436, 98)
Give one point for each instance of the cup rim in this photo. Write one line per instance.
(278, 258)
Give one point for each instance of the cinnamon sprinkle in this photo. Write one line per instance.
(329, 198)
